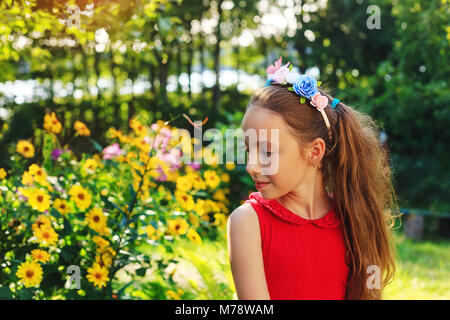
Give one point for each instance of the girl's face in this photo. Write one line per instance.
(280, 161)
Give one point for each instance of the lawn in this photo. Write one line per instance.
(203, 271)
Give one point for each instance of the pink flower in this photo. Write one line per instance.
(280, 76)
(277, 65)
(161, 140)
(112, 151)
(319, 101)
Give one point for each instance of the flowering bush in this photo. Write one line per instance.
(91, 214)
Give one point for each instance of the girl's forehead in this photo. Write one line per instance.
(264, 126)
(259, 118)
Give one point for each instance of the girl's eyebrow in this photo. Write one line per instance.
(260, 142)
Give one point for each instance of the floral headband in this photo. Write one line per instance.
(302, 85)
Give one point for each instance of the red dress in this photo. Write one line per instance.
(303, 259)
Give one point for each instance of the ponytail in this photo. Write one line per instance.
(360, 179)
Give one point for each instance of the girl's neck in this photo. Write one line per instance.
(309, 200)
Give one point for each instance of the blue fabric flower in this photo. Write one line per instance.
(305, 86)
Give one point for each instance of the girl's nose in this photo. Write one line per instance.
(253, 168)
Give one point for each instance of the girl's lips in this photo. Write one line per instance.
(260, 185)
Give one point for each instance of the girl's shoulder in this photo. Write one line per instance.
(243, 224)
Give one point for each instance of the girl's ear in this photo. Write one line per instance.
(315, 151)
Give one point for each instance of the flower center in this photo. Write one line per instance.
(30, 273)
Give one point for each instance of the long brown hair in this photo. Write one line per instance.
(356, 172)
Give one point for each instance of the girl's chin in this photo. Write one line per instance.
(266, 189)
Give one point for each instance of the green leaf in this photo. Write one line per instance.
(55, 213)
(5, 293)
(119, 293)
(302, 100)
(290, 89)
(319, 83)
(290, 67)
(97, 146)
(133, 196)
(47, 152)
(67, 227)
(141, 272)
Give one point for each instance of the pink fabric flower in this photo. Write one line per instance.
(277, 72)
(280, 76)
(112, 151)
(319, 101)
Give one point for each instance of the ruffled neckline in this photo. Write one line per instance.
(329, 220)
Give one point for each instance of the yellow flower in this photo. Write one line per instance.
(25, 148)
(230, 166)
(225, 177)
(113, 133)
(80, 196)
(220, 219)
(104, 230)
(27, 178)
(142, 144)
(61, 206)
(40, 255)
(219, 195)
(2, 173)
(138, 127)
(39, 200)
(46, 236)
(104, 258)
(96, 219)
(100, 242)
(42, 221)
(197, 182)
(184, 183)
(193, 219)
(211, 206)
(199, 207)
(186, 201)
(90, 165)
(178, 226)
(150, 230)
(174, 295)
(30, 273)
(194, 236)
(52, 124)
(98, 275)
(81, 129)
(38, 173)
(211, 178)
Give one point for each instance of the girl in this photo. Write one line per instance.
(320, 225)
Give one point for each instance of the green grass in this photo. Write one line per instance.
(423, 269)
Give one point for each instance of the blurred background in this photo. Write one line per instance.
(104, 62)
